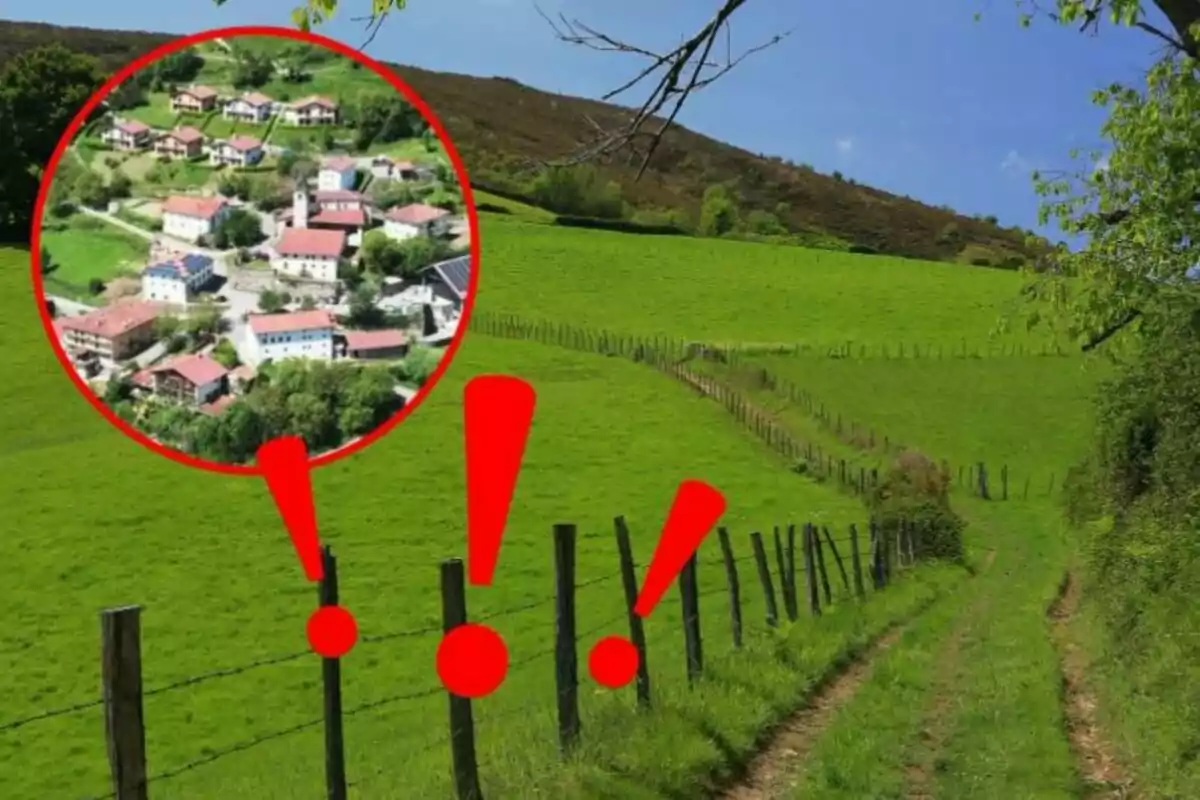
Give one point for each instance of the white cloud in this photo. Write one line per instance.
(1016, 163)
(845, 146)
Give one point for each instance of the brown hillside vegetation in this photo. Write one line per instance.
(499, 125)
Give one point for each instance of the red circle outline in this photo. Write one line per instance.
(198, 38)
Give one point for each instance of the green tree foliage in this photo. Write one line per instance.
(251, 69)
(41, 90)
(382, 117)
(239, 228)
(383, 255)
(718, 211)
(181, 66)
(272, 302)
(577, 190)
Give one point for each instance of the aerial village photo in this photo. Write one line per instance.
(255, 237)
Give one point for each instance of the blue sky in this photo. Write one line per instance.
(915, 97)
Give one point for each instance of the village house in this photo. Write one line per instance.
(337, 173)
(191, 379)
(390, 169)
(189, 218)
(183, 142)
(415, 220)
(129, 134)
(339, 211)
(195, 100)
(312, 254)
(112, 333)
(450, 279)
(374, 344)
(300, 334)
(238, 151)
(177, 280)
(314, 110)
(252, 107)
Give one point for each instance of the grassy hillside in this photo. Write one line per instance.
(499, 124)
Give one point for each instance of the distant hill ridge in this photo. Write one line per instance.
(498, 124)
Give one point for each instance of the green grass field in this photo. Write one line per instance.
(724, 291)
(157, 113)
(86, 248)
(966, 703)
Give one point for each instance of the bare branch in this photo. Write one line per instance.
(676, 74)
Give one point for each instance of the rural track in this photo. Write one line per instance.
(935, 727)
(773, 771)
(1102, 774)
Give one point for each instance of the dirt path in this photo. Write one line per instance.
(939, 713)
(773, 771)
(1102, 774)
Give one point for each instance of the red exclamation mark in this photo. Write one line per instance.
(613, 660)
(472, 659)
(332, 630)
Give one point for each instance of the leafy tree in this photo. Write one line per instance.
(578, 190)
(41, 90)
(128, 94)
(119, 185)
(251, 70)
(203, 321)
(91, 190)
(307, 303)
(764, 223)
(364, 313)
(117, 390)
(181, 66)
(226, 354)
(95, 286)
(718, 211)
(239, 228)
(272, 302)
(380, 117)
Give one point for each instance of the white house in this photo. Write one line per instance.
(309, 253)
(415, 220)
(195, 99)
(253, 107)
(129, 134)
(314, 110)
(176, 281)
(193, 379)
(337, 174)
(238, 151)
(300, 334)
(390, 169)
(189, 218)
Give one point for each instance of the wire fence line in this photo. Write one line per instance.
(776, 578)
(813, 457)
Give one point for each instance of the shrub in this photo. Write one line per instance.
(915, 490)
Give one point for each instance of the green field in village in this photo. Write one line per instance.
(965, 703)
(84, 248)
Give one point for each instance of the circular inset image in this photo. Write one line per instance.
(251, 233)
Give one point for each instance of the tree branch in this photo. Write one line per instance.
(1112, 330)
(686, 69)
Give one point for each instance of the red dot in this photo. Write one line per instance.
(472, 660)
(613, 661)
(332, 631)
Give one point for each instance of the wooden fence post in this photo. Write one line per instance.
(764, 576)
(789, 596)
(983, 482)
(637, 632)
(820, 551)
(810, 572)
(791, 567)
(856, 562)
(1004, 482)
(566, 662)
(331, 678)
(735, 589)
(876, 555)
(838, 558)
(690, 595)
(124, 723)
(462, 720)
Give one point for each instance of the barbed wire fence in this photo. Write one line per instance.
(871, 561)
(808, 456)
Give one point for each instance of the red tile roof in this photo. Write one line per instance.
(144, 378)
(335, 195)
(186, 134)
(339, 163)
(416, 214)
(314, 100)
(374, 340)
(309, 242)
(244, 143)
(185, 206)
(199, 92)
(256, 99)
(219, 405)
(196, 369)
(288, 323)
(346, 216)
(132, 126)
(114, 320)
